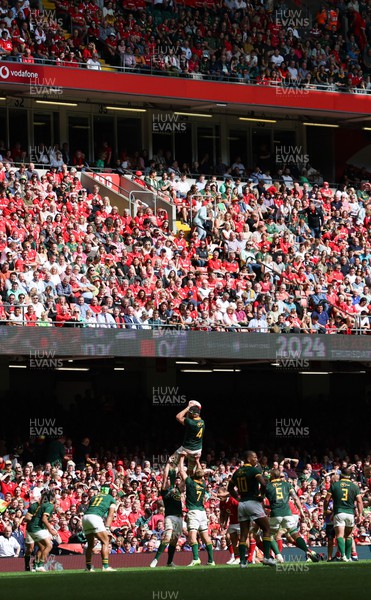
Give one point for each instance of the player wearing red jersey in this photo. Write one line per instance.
(229, 516)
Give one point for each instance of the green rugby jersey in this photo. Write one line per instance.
(36, 522)
(195, 493)
(194, 432)
(245, 480)
(99, 505)
(173, 502)
(32, 509)
(344, 493)
(278, 494)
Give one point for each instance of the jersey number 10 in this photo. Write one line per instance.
(242, 484)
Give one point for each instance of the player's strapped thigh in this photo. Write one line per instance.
(290, 523)
(175, 458)
(275, 524)
(192, 455)
(191, 463)
(174, 526)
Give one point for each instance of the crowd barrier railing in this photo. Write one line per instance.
(217, 327)
(153, 70)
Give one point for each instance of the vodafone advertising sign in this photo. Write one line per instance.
(17, 74)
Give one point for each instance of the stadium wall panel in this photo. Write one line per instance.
(121, 561)
(14, 75)
(104, 343)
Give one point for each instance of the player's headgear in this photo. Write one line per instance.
(106, 489)
(195, 410)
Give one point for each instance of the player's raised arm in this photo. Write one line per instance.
(165, 477)
(198, 464)
(182, 415)
(294, 461)
(182, 471)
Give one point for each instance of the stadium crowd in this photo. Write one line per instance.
(263, 42)
(265, 256)
(139, 519)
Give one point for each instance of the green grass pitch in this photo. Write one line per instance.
(296, 581)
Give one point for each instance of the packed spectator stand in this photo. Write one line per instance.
(265, 256)
(265, 43)
(139, 520)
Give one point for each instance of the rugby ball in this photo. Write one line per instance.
(194, 403)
